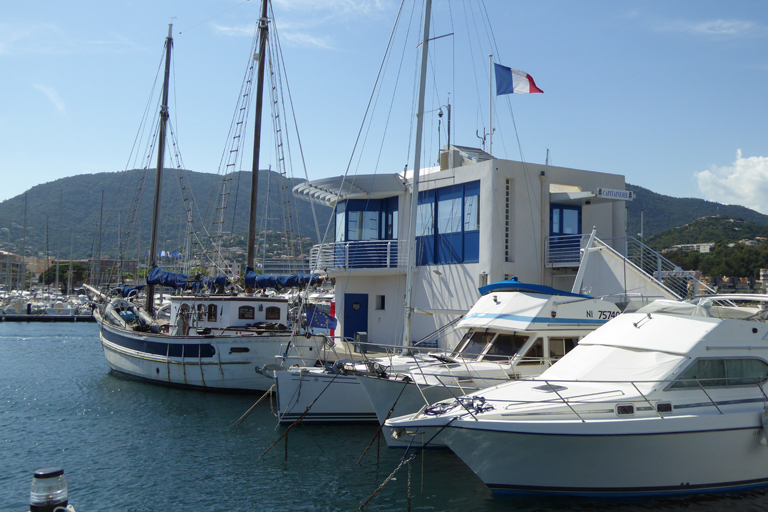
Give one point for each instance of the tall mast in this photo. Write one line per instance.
(150, 306)
(416, 167)
(24, 248)
(58, 240)
(263, 33)
(69, 272)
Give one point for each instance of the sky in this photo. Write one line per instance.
(672, 95)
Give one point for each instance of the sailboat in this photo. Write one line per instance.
(333, 393)
(220, 340)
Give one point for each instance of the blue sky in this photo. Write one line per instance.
(669, 94)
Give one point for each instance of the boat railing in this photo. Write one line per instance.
(627, 393)
(368, 254)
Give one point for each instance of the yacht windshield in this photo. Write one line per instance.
(473, 344)
(505, 346)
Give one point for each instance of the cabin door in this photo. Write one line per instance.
(355, 314)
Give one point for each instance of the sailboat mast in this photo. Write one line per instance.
(263, 33)
(416, 167)
(150, 306)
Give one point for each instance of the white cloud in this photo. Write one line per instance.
(293, 34)
(744, 183)
(49, 39)
(716, 28)
(365, 7)
(53, 96)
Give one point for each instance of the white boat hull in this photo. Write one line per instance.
(321, 397)
(227, 363)
(406, 398)
(676, 456)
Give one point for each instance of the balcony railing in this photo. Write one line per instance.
(373, 254)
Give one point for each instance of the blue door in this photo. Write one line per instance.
(355, 314)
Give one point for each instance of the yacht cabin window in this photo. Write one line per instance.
(246, 313)
(535, 354)
(558, 347)
(505, 346)
(201, 309)
(212, 311)
(273, 313)
(717, 373)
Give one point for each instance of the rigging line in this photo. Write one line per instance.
(295, 121)
(370, 99)
(472, 52)
(212, 17)
(453, 59)
(280, 76)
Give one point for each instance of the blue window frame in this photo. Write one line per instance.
(448, 225)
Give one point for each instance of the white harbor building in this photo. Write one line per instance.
(479, 220)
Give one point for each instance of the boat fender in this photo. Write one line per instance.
(114, 317)
(146, 319)
(764, 421)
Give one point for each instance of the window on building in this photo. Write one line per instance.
(425, 219)
(471, 213)
(380, 302)
(449, 215)
(448, 225)
(340, 223)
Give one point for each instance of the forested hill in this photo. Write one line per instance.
(665, 212)
(81, 200)
(719, 228)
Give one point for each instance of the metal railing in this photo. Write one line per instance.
(566, 251)
(624, 393)
(374, 254)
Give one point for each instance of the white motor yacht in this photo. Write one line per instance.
(515, 330)
(667, 400)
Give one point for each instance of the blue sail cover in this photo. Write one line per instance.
(127, 291)
(254, 280)
(513, 284)
(162, 277)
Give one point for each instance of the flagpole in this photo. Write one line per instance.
(490, 104)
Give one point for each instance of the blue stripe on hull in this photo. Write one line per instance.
(682, 490)
(183, 348)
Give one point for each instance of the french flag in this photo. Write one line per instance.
(509, 81)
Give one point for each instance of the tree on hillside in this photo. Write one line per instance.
(79, 273)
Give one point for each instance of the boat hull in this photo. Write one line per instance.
(226, 363)
(404, 398)
(683, 457)
(321, 397)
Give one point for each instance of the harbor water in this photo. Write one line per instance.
(130, 446)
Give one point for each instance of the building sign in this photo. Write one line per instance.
(622, 195)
